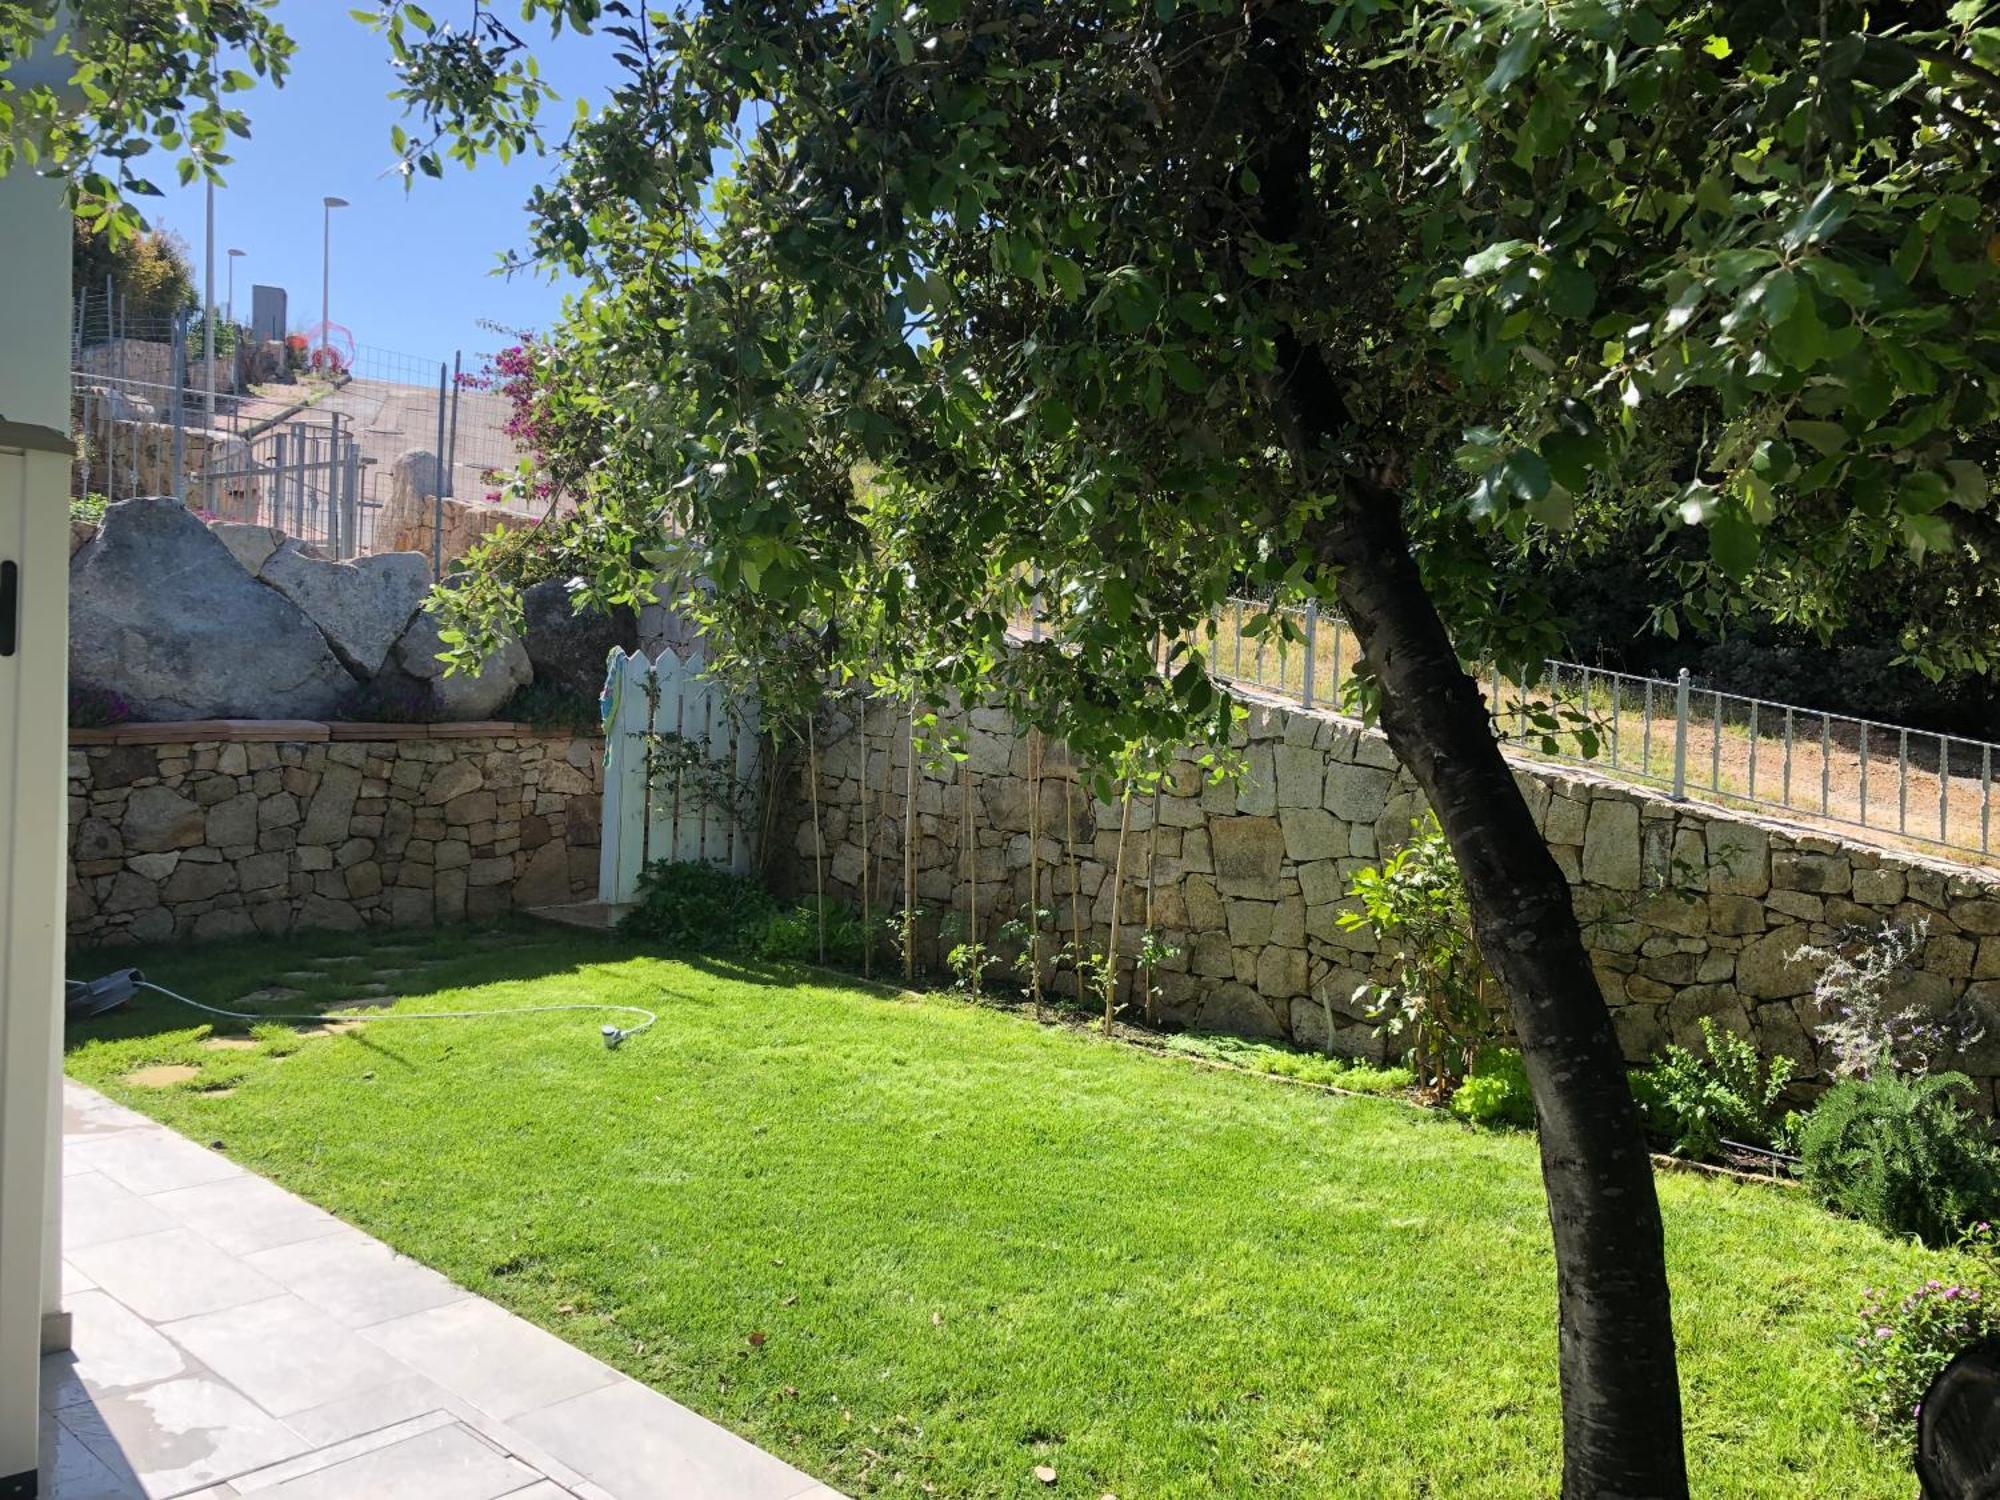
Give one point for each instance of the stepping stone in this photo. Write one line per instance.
(270, 995)
(231, 1044)
(328, 1028)
(162, 1076)
(366, 1002)
(306, 976)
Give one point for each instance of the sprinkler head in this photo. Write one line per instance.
(612, 1037)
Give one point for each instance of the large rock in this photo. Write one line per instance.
(567, 647)
(162, 614)
(362, 607)
(250, 543)
(462, 695)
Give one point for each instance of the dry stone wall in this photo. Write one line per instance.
(221, 830)
(1688, 910)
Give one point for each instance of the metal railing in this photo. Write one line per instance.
(302, 473)
(1756, 753)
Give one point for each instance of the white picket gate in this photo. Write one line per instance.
(671, 814)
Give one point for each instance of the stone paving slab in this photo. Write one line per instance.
(232, 1340)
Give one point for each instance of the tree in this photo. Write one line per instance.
(1130, 304)
(150, 271)
(90, 88)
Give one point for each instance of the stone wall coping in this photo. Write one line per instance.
(295, 731)
(1856, 841)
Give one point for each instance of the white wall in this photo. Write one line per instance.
(34, 530)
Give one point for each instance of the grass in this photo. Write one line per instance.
(921, 1247)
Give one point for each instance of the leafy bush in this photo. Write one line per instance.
(691, 907)
(1901, 1154)
(700, 908)
(546, 706)
(1902, 1346)
(794, 936)
(1415, 903)
(1865, 1031)
(1496, 1091)
(1693, 1101)
(88, 508)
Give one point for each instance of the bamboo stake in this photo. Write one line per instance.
(1117, 890)
(867, 948)
(1152, 869)
(971, 876)
(909, 857)
(819, 850)
(1034, 870)
(1075, 887)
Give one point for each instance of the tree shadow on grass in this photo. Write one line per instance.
(314, 973)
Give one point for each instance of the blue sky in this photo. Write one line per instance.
(410, 270)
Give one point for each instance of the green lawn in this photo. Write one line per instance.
(918, 1247)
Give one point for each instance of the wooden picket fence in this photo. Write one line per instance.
(678, 756)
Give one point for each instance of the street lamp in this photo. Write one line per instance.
(229, 302)
(328, 204)
(235, 337)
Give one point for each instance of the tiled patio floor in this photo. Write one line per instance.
(233, 1340)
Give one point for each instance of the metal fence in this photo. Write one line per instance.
(1929, 788)
(308, 452)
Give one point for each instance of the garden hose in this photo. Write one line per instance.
(107, 990)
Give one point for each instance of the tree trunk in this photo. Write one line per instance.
(1620, 1390)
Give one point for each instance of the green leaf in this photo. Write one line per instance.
(1572, 292)
(1817, 220)
(1716, 47)
(1734, 541)
(1068, 276)
(1927, 534)
(1970, 488)
(1922, 492)
(1823, 437)
(1514, 60)
(1184, 373)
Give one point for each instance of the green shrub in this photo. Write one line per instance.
(1900, 1153)
(699, 908)
(1693, 1101)
(1903, 1344)
(1496, 1092)
(1443, 999)
(692, 907)
(794, 936)
(547, 706)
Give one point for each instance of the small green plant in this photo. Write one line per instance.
(1901, 1154)
(1415, 903)
(793, 936)
(1903, 1344)
(1694, 1101)
(88, 508)
(1496, 1091)
(696, 907)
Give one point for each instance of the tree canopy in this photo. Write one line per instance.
(1037, 272)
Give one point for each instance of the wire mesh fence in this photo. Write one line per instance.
(1909, 784)
(278, 434)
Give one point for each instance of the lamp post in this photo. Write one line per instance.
(235, 337)
(328, 205)
(229, 301)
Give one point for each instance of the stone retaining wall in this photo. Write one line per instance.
(219, 829)
(1688, 910)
